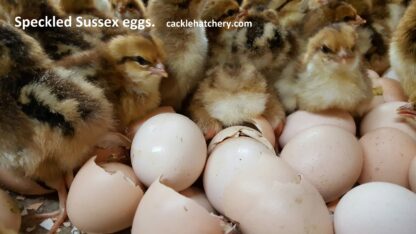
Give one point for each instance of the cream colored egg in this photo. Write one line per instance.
(387, 156)
(268, 196)
(10, 218)
(103, 199)
(412, 175)
(163, 210)
(199, 197)
(227, 158)
(386, 115)
(376, 208)
(329, 157)
(170, 146)
(301, 120)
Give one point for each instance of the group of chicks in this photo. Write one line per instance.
(63, 90)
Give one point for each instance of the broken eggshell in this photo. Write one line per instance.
(231, 150)
(103, 198)
(199, 197)
(10, 218)
(268, 196)
(170, 146)
(265, 128)
(163, 210)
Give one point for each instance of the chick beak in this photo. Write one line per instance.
(359, 21)
(242, 14)
(159, 70)
(345, 56)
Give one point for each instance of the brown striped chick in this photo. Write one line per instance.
(129, 70)
(332, 12)
(50, 119)
(185, 49)
(403, 58)
(232, 94)
(128, 9)
(332, 74)
(57, 42)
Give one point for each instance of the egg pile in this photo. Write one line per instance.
(324, 180)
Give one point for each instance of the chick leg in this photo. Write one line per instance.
(209, 126)
(60, 214)
(275, 113)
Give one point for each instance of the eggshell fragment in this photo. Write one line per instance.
(388, 153)
(329, 157)
(412, 175)
(386, 115)
(228, 158)
(268, 196)
(103, 199)
(10, 218)
(18, 183)
(302, 120)
(376, 208)
(162, 210)
(170, 146)
(265, 128)
(199, 197)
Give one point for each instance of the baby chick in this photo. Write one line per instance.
(128, 9)
(129, 71)
(82, 7)
(403, 57)
(50, 118)
(56, 41)
(232, 94)
(185, 49)
(332, 74)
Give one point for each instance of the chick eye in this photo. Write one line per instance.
(231, 12)
(325, 49)
(348, 18)
(138, 59)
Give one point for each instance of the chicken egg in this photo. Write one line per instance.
(103, 198)
(386, 115)
(163, 210)
(231, 150)
(268, 196)
(329, 157)
(388, 153)
(131, 131)
(10, 218)
(412, 175)
(170, 146)
(376, 208)
(301, 120)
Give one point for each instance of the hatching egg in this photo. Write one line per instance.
(388, 153)
(10, 218)
(170, 146)
(376, 208)
(163, 210)
(199, 197)
(268, 196)
(103, 198)
(302, 120)
(230, 151)
(386, 115)
(329, 157)
(412, 175)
